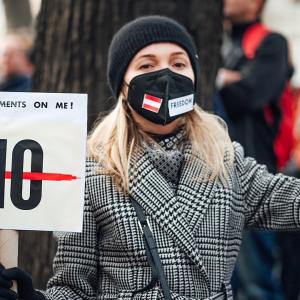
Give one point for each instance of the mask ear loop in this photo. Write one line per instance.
(126, 107)
(122, 89)
(124, 100)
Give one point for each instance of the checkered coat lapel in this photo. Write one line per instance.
(194, 193)
(152, 191)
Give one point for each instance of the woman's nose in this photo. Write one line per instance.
(164, 65)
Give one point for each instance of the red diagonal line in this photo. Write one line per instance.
(43, 176)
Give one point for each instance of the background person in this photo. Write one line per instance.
(250, 89)
(16, 67)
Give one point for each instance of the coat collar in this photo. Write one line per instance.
(196, 194)
(164, 205)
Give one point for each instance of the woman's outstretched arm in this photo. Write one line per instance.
(269, 201)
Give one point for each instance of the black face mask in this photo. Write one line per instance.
(161, 96)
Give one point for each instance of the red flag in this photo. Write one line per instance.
(152, 103)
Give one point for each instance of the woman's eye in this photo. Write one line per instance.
(145, 66)
(179, 65)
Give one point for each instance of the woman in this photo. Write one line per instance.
(157, 154)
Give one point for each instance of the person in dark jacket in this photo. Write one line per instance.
(16, 67)
(249, 90)
(157, 163)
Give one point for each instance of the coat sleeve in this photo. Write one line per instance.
(270, 201)
(263, 78)
(76, 262)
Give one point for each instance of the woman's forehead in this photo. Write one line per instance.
(160, 49)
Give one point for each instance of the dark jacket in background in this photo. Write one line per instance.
(16, 83)
(263, 80)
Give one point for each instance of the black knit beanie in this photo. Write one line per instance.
(137, 34)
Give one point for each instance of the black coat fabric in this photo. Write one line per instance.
(263, 81)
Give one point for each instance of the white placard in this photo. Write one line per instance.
(48, 132)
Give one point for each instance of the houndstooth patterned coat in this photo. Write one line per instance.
(198, 230)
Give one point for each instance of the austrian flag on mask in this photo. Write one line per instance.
(152, 103)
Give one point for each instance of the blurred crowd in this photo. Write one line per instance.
(16, 67)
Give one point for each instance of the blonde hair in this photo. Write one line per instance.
(117, 135)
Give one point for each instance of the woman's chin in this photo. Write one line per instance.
(159, 129)
(164, 129)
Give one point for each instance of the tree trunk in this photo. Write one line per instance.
(71, 53)
(18, 14)
(36, 252)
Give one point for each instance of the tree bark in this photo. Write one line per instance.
(18, 14)
(71, 54)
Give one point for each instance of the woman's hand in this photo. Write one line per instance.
(25, 285)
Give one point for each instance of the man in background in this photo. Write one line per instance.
(250, 86)
(16, 67)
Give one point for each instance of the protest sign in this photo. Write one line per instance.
(42, 161)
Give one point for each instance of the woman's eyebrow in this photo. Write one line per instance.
(154, 56)
(146, 55)
(178, 53)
